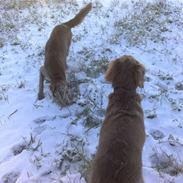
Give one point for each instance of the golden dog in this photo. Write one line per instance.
(56, 52)
(119, 154)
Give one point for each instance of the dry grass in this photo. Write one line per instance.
(10, 177)
(72, 156)
(147, 21)
(166, 163)
(22, 4)
(29, 144)
(15, 14)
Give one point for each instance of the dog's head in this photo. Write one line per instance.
(126, 72)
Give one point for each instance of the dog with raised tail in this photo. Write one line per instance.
(56, 52)
(119, 155)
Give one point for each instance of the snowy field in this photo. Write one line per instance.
(42, 142)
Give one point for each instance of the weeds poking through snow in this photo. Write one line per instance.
(93, 107)
(13, 113)
(151, 114)
(97, 67)
(72, 156)
(148, 21)
(157, 134)
(1, 43)
(3, 93)
(166, 163)
(29, 144)
(10, 177)
(21, 84)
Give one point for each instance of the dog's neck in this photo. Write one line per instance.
(122, 89)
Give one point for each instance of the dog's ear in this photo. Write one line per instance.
(111, 71)
(139, 75)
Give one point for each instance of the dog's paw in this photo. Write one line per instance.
(40, 96)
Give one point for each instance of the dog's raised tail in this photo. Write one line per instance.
(79, 17)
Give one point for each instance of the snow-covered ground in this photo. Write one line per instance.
(42, 142)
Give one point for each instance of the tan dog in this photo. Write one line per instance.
(119, 154)
(56, 52)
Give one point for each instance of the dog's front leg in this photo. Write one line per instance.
(62, 94)
(42, 75)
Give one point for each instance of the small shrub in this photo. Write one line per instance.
(165, 163)
(72, 156)
(29, 144)
(97, 67)
(11, 177)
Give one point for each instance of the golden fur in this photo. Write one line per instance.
(56, 52)
(119, 154)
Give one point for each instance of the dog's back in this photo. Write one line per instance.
(56, 51)
(57, 47)
(119, 154)
(118, 159)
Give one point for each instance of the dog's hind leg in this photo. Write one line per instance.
(42, 76)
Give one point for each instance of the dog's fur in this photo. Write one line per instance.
(119, 154)
(56, 52)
